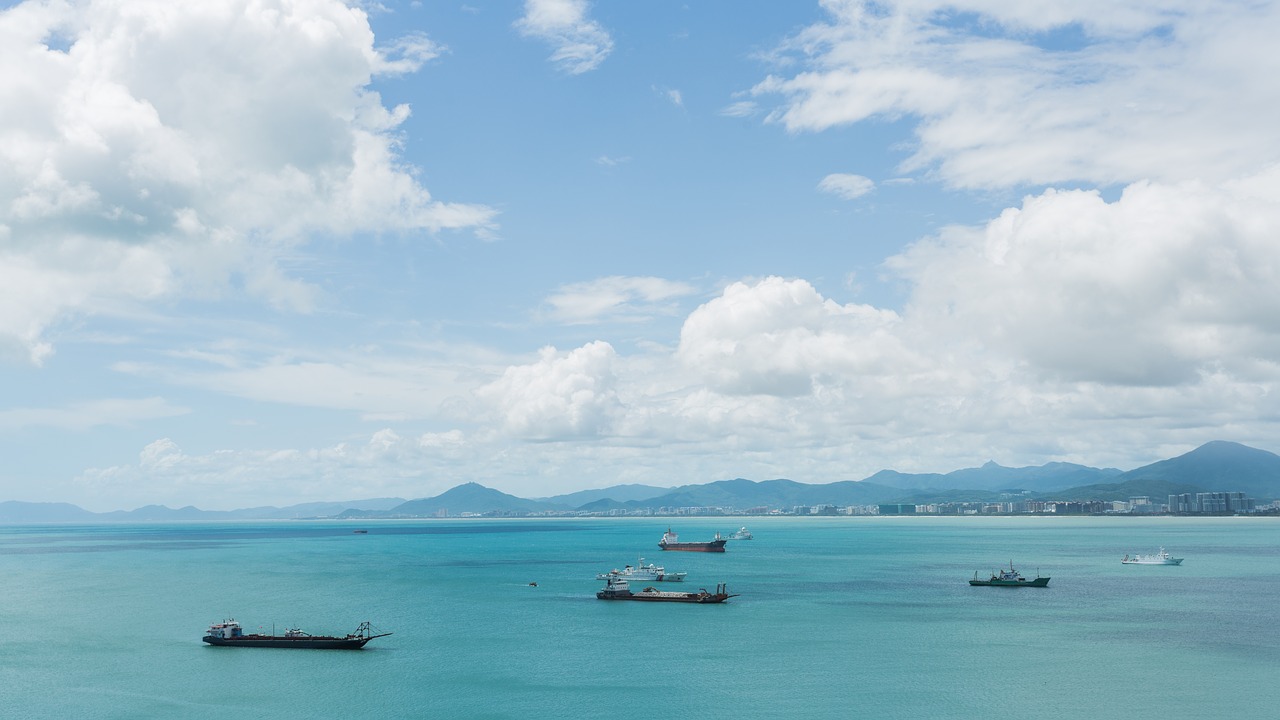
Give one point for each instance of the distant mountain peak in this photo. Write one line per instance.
(1219, 466)
(1218, 448)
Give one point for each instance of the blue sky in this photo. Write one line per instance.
(274, 252)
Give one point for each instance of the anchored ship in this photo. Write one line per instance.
(1160, 558)
(1010, 578)
(229, 633)
(656, 573)
(618, 589)
(670, 541)
(742, 534)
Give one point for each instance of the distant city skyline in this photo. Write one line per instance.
(271, 253)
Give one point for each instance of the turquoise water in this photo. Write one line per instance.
(837, 618)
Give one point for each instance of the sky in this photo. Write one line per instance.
(264, 252)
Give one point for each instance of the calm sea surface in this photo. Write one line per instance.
(838, 618)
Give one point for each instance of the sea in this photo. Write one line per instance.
(849, 617)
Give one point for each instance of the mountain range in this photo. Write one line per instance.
(1217, 466)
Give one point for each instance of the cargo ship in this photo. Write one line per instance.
(670, 541)
(618, 589)
(1010, 578)
(230, 634)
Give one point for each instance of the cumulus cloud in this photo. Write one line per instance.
(163, 454)
(615, 298)
(844, 185)
(560, 396)
(1156, 91)
(1163, 286)
(1085, 308)
(780, 337)
(580, 43)
(151, 149)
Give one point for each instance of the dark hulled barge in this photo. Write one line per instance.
(618, 589)
(671, 541)
(230, 634)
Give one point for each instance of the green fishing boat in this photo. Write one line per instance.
(1010, 578)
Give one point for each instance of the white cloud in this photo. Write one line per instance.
(184, 148)
(385, 464)
(117, 412)
(1067, 329)
(1170, 286)
(742, 108)
(780, 337)
(616, 298)
(560, 396)
(376, 385)
(163, 454)
(580, 43)
(844, 185)
(1150, 91)
(671, 94)
(1166, 285)
(407, 54)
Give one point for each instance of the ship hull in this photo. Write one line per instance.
(1038, 582)
(673, 577)
(666, 597)
(652, 598)
(713, 546)
(303, 643)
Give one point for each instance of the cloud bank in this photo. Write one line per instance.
(1069, 328)
(1015, 93)
(151, 150)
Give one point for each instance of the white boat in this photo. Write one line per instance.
(642, 572)
(742, 534)
(1160, 558)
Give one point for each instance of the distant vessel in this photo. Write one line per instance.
(618, 589)
(360, 532)
(1010, 578)
(229, 633)
(670, 541)
(1160, 558)
(742, 534)
(650, 572)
